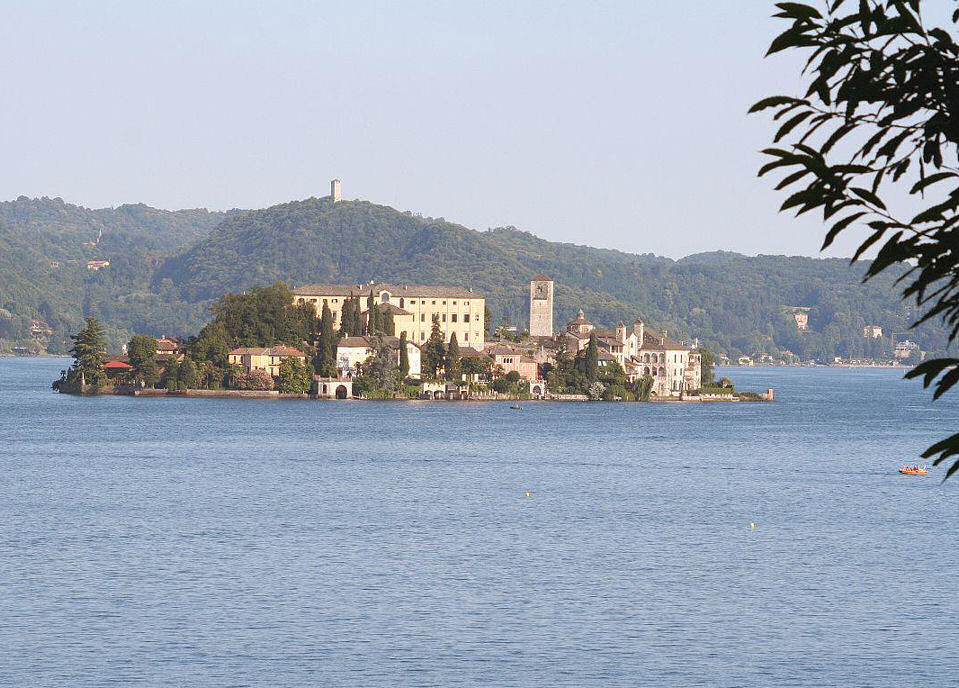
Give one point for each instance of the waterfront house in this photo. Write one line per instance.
(264, 358)
(507, 359)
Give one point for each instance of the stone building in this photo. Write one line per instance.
(458, 309)
(541, 306)
(509, 359)
(872, 332)
(336, 191)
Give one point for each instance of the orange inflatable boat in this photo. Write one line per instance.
(913, 470)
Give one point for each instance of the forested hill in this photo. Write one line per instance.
(734, 303)
(44, 247)
(165, 267)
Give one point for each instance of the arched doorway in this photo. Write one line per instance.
(537, 391)
(341, 392)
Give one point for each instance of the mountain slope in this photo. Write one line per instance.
(46, 243)
(734, 303)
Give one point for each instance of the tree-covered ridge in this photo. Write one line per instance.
(733, 303)
(45, 245)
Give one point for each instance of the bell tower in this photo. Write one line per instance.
(541, 306)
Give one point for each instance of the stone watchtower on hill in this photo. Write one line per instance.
(541, 306)
(335, 192)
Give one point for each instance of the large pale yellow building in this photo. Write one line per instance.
(459, 310)
(264, 358)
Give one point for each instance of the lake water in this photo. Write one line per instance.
(196, 542)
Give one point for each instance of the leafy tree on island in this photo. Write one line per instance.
(475, 366)
(89, 351)
(187, 374)
(142, 352)
(253, 380)
(170, 375)
(293, 377)
(881, 109)
(643, 387)
(452, 365)
(380, 368)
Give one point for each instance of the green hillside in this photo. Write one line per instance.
(732, 302)
(45, 245)
(166, 267)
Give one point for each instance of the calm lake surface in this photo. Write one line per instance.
(196, 542)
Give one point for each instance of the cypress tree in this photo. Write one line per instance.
(327, 352)
(592, 359)
(404, 356)
(453, 359)
(434, 352)
(387, 324)
(370, 316)
(346, 318)
(357, 328)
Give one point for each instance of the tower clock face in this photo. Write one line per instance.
(541, 291)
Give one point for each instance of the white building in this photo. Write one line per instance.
(352, 352)
(674, 366)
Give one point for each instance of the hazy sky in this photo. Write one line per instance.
(614, 124)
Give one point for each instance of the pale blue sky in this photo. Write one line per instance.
(614, 124)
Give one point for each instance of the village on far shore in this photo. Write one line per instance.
(409, 342)
(382, 341)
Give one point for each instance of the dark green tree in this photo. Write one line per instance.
(325, 361)
(346, 318)
(707, 366)
(357, 328)
(171, 370)
(371, 313)
(404, 356)
(476, 366)
(187, 374)
(592, 359)
(142, 352)
(643, 387)
(293, 377)
(434, 352)
(387, 324)
(452, 364)
(380, 368)
(89, 352)
(880, 111)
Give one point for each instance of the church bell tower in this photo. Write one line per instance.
(541, 306)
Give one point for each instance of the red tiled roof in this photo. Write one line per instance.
(267, 351)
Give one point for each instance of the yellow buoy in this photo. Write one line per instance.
(752, 526)
(528, 493)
